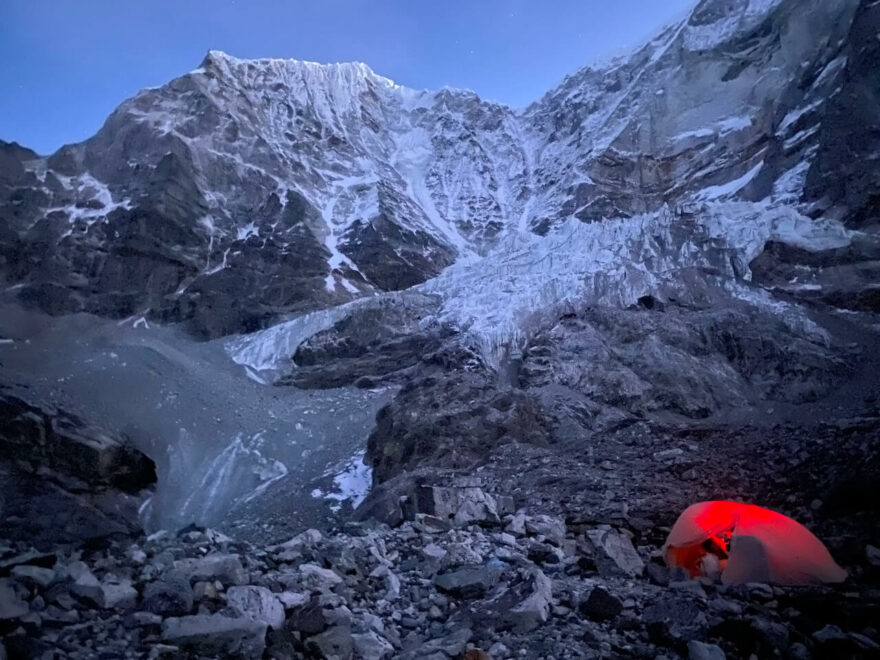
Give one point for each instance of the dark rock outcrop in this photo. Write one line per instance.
(66, 479)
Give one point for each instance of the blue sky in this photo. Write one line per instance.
(66, 64)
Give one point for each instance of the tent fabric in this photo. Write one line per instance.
(750, 544)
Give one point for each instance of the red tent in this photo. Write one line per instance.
(747, 543)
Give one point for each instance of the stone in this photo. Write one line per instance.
(171, 595)
(204, 590)
(227, 568)
(668, 454)
(551, 528)
(12, 605)
(85, 584)
(507, 539)
(535, 609)
(499, 650)
(460, 505)
(431, 524)
(371, 646)
(309, 618)
(702, 651)
(308, 538)
(658, 574)
(544, 553)
(33, 558)
(676, 612)
(829, 633)
(433, 552)
(335, 642)
(392, 582)
(55, 615)
(118, 595)
(163, 651)
(137, 556)
(292, 599)
(257, 604)
(774, 635)
(865, 643)
(600, 605)
(467, 583)
(614, 553)
(216, 635)
(517, 524)
(142, 619)
(453, 644)
(872, 554)
(317, 578)
(42, 577)
(688, 586)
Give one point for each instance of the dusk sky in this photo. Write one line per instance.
(66, 64)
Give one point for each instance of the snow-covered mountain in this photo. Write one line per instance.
(249, 189)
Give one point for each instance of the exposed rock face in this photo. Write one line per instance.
(43, 436)
(845, 173)
(735, 93)
(66, 479)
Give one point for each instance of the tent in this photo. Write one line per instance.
(747, 543)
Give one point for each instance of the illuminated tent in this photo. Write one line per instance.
(747, 543)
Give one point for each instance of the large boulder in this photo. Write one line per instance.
(65, 478)
(216, 635)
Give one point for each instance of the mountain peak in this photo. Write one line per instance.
(218, 59)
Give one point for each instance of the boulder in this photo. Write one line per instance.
(39, 559)
(41, 577)
(257, 604)
(372, 646)
(216, 635)
(118, 595)
(226, 568)
(469, 582)
(550, 527)
(614, 553)
(335, 642)
(171, 595)
(702, 651)
(309, 618)
(85, 584)
(317, 578)
(12, 605)
(292, 599)
(461, 505)
(535, 608)
(600, 605)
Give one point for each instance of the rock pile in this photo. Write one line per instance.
(521, 584)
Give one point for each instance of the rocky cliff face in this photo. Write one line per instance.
(66, 479)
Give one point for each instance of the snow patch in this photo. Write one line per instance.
(250, 229)
(731, 187)
(351, 484)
